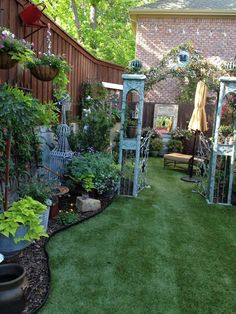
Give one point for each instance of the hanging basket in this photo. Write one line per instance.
(44, 72)
(6, 62)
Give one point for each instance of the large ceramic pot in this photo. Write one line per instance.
(6, 61)
(44, 72)
(12, 284)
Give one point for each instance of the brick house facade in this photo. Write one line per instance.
(209, 25)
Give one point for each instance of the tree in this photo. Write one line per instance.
(101, 26)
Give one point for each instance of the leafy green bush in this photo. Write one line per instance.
(156, 144)
(94, 130)
(25, 212)
(95, 171)
(19, 114)
(37, 188)
(175, 146)
(67, 217)
(182, 134)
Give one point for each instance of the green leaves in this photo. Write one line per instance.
(25, 212)
(110, 37)
(95, 171)
(23, 111)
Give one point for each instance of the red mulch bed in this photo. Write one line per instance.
(34, 260)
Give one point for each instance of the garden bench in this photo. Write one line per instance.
(178, 158)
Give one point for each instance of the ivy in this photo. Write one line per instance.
(198, 68)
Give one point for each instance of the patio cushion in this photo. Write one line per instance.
(179, 158)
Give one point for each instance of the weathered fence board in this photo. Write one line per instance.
(84, 66)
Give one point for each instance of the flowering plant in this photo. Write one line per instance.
(18, 49)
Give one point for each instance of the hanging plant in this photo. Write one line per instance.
(49, 67)
(13, 50)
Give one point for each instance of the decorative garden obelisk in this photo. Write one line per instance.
(129, 150)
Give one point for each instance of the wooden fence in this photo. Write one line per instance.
(84, 66)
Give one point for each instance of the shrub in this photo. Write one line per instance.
(67, 217)
(95, 171)
(182, 134)
(175, 146)
(37, 188)
(156, 144)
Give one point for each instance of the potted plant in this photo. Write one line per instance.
(156, 145)
(131, 128)
(40, 190)
(49, 67)
(21, 224)
(13, 50)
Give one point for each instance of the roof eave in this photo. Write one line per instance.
(136, 13)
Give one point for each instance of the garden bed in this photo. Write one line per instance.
(35, 261)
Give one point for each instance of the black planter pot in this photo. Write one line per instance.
(131, 131)
(12, 283)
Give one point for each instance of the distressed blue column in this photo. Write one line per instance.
(132, 82)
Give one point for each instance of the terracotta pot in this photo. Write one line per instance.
(12, 284)
(44, 72)
(6, 61)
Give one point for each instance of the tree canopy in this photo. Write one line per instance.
(102, 27)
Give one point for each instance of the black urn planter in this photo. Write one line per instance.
(12, 284)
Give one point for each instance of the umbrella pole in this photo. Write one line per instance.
(190, 178)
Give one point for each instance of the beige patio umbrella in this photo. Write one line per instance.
(198, 119)
(198, 122)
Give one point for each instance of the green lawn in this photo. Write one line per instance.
(166, 251)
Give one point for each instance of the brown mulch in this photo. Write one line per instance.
(34, 260)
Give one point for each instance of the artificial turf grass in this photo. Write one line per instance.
(166, 251)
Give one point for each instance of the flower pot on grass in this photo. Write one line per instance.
(12, 284)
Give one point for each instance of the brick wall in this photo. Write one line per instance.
(156, 36)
